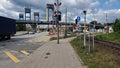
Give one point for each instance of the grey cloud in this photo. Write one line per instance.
(36, 5)
(75, 8)
(110, 3)
(81, 4)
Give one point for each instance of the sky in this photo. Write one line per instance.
(96, 9)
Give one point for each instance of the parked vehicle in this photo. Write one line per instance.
(31, 32)
(7, 28)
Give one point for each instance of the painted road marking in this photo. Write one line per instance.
(25, 52)
(11, 56)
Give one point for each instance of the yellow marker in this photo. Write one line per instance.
(25, 52)
(16, 60)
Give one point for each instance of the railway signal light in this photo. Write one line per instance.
(55, 4)
(58, 4)
(59, 17)
(59, 12)
(76, 21)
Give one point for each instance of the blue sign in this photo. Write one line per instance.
(78, 18)
(27, 10)
(21, 16)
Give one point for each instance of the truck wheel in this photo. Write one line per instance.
(2, 37)
(7, 37)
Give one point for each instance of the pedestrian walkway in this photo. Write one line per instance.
(52, 55)
(20, 33)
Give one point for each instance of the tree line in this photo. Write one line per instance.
(115, 24)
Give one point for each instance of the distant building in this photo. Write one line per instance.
(110, 29)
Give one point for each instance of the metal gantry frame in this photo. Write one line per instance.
(36, 16)
(48, 7)
(21, 16)
(36, 19)
(27, 13)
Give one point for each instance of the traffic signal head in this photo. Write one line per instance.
(59, 17)
(76, 21)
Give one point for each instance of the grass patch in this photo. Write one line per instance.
(115, 37)
(100, 58)
(55, 38)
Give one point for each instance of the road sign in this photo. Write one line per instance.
(21, 15)
(78, 18)
(27, 10)
(50, 6)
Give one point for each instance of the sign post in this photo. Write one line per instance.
(78, 27)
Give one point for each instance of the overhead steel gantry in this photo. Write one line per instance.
(40, 22)
(53, 23)
(48, 7)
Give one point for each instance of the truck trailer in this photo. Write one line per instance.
(7, 28)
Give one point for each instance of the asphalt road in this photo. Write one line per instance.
(15, 46)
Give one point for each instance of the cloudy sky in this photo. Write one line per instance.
(95, 8)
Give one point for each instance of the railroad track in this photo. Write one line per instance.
(115, 47)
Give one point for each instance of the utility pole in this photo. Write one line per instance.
(84, 28)
(93, 33)
(89, 38)
(47, 10)
(66, 16)
(65, 34)
(106, 19)
(107, 28)
(57, 23)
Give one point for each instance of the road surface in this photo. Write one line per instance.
(20, 47)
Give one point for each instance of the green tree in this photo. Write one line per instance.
(99, 24)
(93, 22)
(116, 25)
(20, 27)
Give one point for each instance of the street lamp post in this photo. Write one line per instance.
(84, 28)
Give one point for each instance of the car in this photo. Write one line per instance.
(38, 31)
(31, 32)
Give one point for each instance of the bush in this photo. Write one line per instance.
(116, 25)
